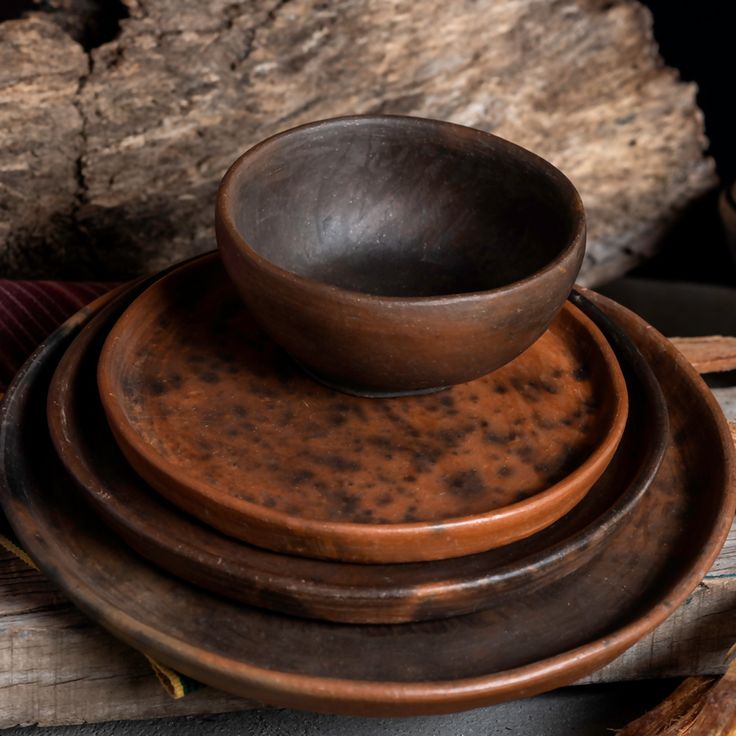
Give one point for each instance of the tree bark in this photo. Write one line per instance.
(110, 160)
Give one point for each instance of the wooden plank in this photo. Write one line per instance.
(711, 354)
(59, 668)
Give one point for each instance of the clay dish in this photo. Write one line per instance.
(396, 254)
(526, 644)
(337, 591)
(213, 415)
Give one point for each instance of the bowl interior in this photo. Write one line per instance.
(402, 206)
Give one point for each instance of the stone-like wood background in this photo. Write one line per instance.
(110, 156)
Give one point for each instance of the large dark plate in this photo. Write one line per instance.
(331, 590)
(526, 644)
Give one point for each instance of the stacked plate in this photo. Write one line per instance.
(194, 490)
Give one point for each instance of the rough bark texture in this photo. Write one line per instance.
(110, 168)
(40, 141)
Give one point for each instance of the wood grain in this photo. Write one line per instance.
(57, 667)
(41, 139)
(711, 354)
(675, 715)
(110, 158)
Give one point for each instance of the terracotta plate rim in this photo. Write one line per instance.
(567, 489)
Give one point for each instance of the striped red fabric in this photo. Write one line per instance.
(31, 310)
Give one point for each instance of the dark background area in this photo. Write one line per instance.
(697, 38)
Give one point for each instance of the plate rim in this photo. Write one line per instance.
(323, 594)
(383, 697)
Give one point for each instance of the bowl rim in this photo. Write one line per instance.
(225, 203)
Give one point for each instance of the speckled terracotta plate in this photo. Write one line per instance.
(338, 591)
(213, 415)
(528, 643)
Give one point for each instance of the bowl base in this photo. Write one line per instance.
(362, 391)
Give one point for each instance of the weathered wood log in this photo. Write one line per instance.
(40, 143)
(109, 161)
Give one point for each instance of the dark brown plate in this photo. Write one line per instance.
(526, 644)
(332, 590)
(215, 416)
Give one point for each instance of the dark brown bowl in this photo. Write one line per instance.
(392, 254)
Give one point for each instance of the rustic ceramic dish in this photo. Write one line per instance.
(214, 416)
(526, 644)
(393, 254)
(332, 590)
